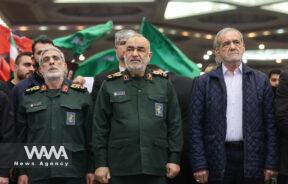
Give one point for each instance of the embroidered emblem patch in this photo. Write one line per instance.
(119, 93)
(159, 110)
(71, 118)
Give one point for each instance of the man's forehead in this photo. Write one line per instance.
(51, 53)
(43, 46)
(136, 41)
(230, 35)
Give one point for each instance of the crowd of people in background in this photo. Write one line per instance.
(144, 125)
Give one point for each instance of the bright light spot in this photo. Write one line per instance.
(173, 32)
(43, 28)
(251, 35)
(161, 30)
(201, 73)
(197, 35)
(206, 57)
(79, 28)
(23, 28)
(280, 31)
(278, 61)
(208, 36)
(81, 57)
(62, 28)
(118, 27)
(199, 65)
(209, 52)
(277, 7)
(261, 46)
(266, 33)
(245, 60)
(185, 33)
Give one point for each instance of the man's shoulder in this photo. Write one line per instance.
(103, 76)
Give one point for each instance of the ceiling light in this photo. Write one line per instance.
(199, 65)
(277, 7)
(62, 28)
(79, 28)
(101, 1)
(43, 28)
(185, 33)
(23, 28)
(209, 52)
(206, 57)
(173, 32)
(261, 46)
(279, 61)
(280, 31)
(251, 35)
(267, 54)
(208, 36)
(197, 35)
(266, 33)
(81, 57)
(251, 2)
(176, 9)
(118, 27)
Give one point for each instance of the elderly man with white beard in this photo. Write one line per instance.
(56, 113)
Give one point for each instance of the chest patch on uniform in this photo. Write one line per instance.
(119, 93)
(71, 118)
(36, 104)
(159, 110)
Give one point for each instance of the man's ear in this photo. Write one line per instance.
(150, 55)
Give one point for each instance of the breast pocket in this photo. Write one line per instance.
(122, 106)
(35, 116)
(158, 106)
(73, 115)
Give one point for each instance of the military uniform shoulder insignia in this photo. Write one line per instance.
(160, 73)
(114, 75)
(32, 89)
(77, 87)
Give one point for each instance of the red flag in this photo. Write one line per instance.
(4, 70)
(23, 43)
(4, 39)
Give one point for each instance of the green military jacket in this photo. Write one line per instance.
(136, 125)
(57, 117)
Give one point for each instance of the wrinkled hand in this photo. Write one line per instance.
(79, 80)
(90, 178)
(23, 179)
(4, 180)
(172, 170)
(102, 174)
(268, 174)
(201, 176)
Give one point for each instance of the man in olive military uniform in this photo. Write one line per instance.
(56, 113)
(137, 135)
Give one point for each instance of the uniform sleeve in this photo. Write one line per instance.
(175, 136)
(88, 132)
(101, 127)
(7, 133)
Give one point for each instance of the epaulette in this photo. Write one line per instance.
(114, 75)
(78, 87)
(160, 73)
(32, 89)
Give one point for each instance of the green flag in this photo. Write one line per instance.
(81, 40)
(165, 54)
(98, 63)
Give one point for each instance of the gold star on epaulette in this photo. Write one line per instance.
(160, 73)
(114, 75)
(32, 89)
(78, 87)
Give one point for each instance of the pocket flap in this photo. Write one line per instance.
(74, 147)
(161, 143)
(36, 108)
(71, 106)
(120, 99)
(118, 143)
(158, 98)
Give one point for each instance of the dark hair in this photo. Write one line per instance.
(276, 71)
(41, 40)
(17, 60)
